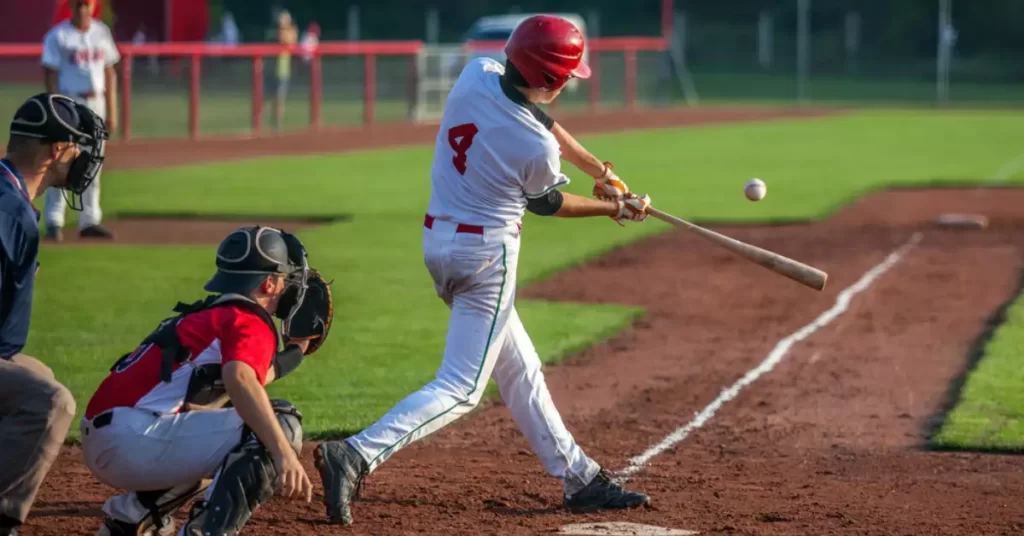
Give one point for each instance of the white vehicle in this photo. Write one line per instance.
(498, 28)
(438, 66)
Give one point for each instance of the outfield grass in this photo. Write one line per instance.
(989, 414)
(94, 304)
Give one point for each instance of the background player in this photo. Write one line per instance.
(157, 426)
(78, 61)
(496, 155)
(54, 143)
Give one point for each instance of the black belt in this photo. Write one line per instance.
(103, 419)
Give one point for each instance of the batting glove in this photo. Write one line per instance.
(609, 187)
(633, 208)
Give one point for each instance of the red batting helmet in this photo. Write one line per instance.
(547, 51)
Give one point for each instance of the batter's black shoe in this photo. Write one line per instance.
(601, 493)
(342, 470)
(96, 231)
(8, 531)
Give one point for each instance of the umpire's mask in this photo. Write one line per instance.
(247, 256)
(53, 118)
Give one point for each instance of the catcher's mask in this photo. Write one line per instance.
(248, 255)
(53, 118)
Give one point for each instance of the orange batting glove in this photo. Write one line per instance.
(633, 208)
(609, 187)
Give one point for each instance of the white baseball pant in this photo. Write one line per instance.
(476, 277)
(55, 206)
(142, 451)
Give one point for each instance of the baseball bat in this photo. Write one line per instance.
(797, 271)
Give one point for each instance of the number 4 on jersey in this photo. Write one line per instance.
(461, 138)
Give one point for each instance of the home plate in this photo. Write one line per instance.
(621, 528)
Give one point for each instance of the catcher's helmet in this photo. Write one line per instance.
(248, 255)
(548, 51)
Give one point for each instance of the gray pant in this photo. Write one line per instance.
(55, 207)
(35, 413)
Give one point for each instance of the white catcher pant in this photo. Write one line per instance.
(56, 207)
(476, 276)
(140, 451)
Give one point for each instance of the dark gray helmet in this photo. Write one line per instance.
(248, 255)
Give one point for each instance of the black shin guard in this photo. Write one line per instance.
(164, 503)
(245, 480)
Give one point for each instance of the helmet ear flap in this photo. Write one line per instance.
(296, 251)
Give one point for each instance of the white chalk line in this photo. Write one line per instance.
(1008, 169)
(774, 357)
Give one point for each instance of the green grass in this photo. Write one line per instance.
(989, 414)
(94, 304)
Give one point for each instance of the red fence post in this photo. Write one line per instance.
(412, 82)
(257, 94)
(193, 98)
(126, 96)
(595, 82)
(369, 87)
(316, 90)
(630, 77)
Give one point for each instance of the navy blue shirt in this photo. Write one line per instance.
(19, 253)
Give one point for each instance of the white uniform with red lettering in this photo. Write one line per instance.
(80, 59)
(493, 151)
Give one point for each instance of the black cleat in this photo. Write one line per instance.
(8, 531)
(342, 470)
(96, 231)
(601, 493)
(114, 527)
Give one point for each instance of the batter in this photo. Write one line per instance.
(497, 155)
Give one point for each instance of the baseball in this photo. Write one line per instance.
(755, 189)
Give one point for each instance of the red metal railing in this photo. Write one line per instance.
(368, 50)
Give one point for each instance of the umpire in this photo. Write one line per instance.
(54, 142)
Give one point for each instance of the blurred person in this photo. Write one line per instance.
(78, 61)
(55, 144)
(497, 155)
(286, 34)
(140, 38)
(310, 41)
(229, 30)
(159, 427)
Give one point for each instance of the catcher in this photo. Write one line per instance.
(187, 412)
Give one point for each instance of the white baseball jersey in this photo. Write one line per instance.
(493, 151)
(80, 59)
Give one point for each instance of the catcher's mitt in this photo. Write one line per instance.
(312, 320)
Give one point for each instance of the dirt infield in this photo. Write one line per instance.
(830, 441)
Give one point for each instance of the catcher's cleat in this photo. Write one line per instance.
(113, 527)
(342, 470)
(601, 493)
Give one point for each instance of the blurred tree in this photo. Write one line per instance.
(891, 28)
